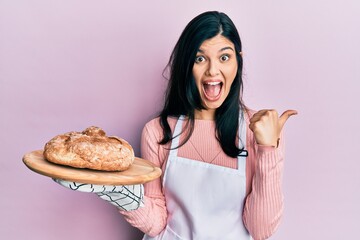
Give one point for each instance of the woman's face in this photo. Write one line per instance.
(214, 71)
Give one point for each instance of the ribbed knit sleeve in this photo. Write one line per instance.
(264, 204)
(151, 219)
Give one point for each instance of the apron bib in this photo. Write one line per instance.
(204, 201)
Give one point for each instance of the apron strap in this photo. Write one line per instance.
(175, 141)
(242, 142)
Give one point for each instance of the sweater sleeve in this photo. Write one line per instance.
(264, 204)
(150, 219)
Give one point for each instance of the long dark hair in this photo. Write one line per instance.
(182, 96)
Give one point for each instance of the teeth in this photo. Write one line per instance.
(212, 83)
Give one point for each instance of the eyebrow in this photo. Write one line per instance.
(221, 50)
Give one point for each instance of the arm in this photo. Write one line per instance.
(264, 205)
(150, 219)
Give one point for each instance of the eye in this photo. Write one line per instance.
(224, 57)
(199, 59)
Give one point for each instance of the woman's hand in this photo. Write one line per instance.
(267, 125)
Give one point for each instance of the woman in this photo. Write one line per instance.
(222, 163)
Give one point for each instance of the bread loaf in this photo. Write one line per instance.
(90, 149)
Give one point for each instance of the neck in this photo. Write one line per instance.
(205, 114)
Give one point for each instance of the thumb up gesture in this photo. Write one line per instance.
(267, 125)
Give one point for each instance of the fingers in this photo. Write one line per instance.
(285, 116)
(270, 115)
(258, 115)
(262, 115)
(267, 125)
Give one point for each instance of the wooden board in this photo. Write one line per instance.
(141, 171)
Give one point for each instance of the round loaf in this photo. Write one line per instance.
(90, 149)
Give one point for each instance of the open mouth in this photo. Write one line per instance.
(212, 90)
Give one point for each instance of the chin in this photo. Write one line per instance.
(213, 105)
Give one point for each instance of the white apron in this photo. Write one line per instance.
(204, 201)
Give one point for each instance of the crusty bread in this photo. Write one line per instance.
(90, 149)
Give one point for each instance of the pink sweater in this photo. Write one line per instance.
(264, 202)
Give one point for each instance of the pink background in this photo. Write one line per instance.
(66, 65)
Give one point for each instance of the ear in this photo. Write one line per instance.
(241, 54)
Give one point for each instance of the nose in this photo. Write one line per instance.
(213, 69)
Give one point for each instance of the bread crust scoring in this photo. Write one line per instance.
(91, 149)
